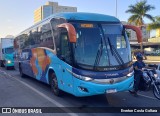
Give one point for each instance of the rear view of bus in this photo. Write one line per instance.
(91, 55)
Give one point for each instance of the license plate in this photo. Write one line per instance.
(111, 91)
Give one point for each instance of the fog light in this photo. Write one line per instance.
(83, 89)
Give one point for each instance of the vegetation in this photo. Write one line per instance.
(154, 25)
(140, 11)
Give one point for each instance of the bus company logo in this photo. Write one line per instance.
(6, 110)
(111, 81)
(111, 75)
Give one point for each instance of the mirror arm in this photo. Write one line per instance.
(137, 30)
(71, 31)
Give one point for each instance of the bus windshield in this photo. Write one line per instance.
(101, 45)
(9, 50)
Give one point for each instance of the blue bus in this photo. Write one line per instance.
(83, 54)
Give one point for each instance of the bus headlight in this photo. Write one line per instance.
(85, 78)
(8, 61)
(130, 74)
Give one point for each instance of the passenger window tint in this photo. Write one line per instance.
(65, 50)
(46, 36)
(26, 54)
(39, 36)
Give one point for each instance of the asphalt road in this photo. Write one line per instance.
(28, 92)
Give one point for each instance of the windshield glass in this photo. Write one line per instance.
(116, 36)
(93, 49)
(9, 50)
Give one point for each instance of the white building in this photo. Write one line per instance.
(51, 8)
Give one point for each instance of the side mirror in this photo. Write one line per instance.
(137, 30)
(71, 31)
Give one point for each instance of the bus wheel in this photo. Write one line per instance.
(21, 72)
(54, 85)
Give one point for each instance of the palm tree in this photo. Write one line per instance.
(139, 12)
(154, 25)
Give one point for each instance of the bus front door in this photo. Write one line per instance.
(65, 56)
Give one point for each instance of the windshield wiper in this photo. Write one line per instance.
(99, 54)
(115, 53)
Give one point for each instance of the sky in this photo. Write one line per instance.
(17, 15)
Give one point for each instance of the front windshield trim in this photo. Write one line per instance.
(105, 68)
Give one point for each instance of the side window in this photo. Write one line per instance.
(24, 40)
(46, 36)
(65, 47)
(31, 38)
(34, 37)
(26, 54)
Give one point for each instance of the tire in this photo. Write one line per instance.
(156, 94)
(21, 72)
(54, 84)
(1, 64)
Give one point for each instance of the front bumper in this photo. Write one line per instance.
(96, 89)
(9, 64)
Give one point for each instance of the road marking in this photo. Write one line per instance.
(147, 96)
(41, 94)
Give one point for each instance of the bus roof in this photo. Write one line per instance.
(80, 16)
(86, 17)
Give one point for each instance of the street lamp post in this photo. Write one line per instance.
(116, 8)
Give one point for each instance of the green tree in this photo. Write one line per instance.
(140, 11)
(154, 25)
